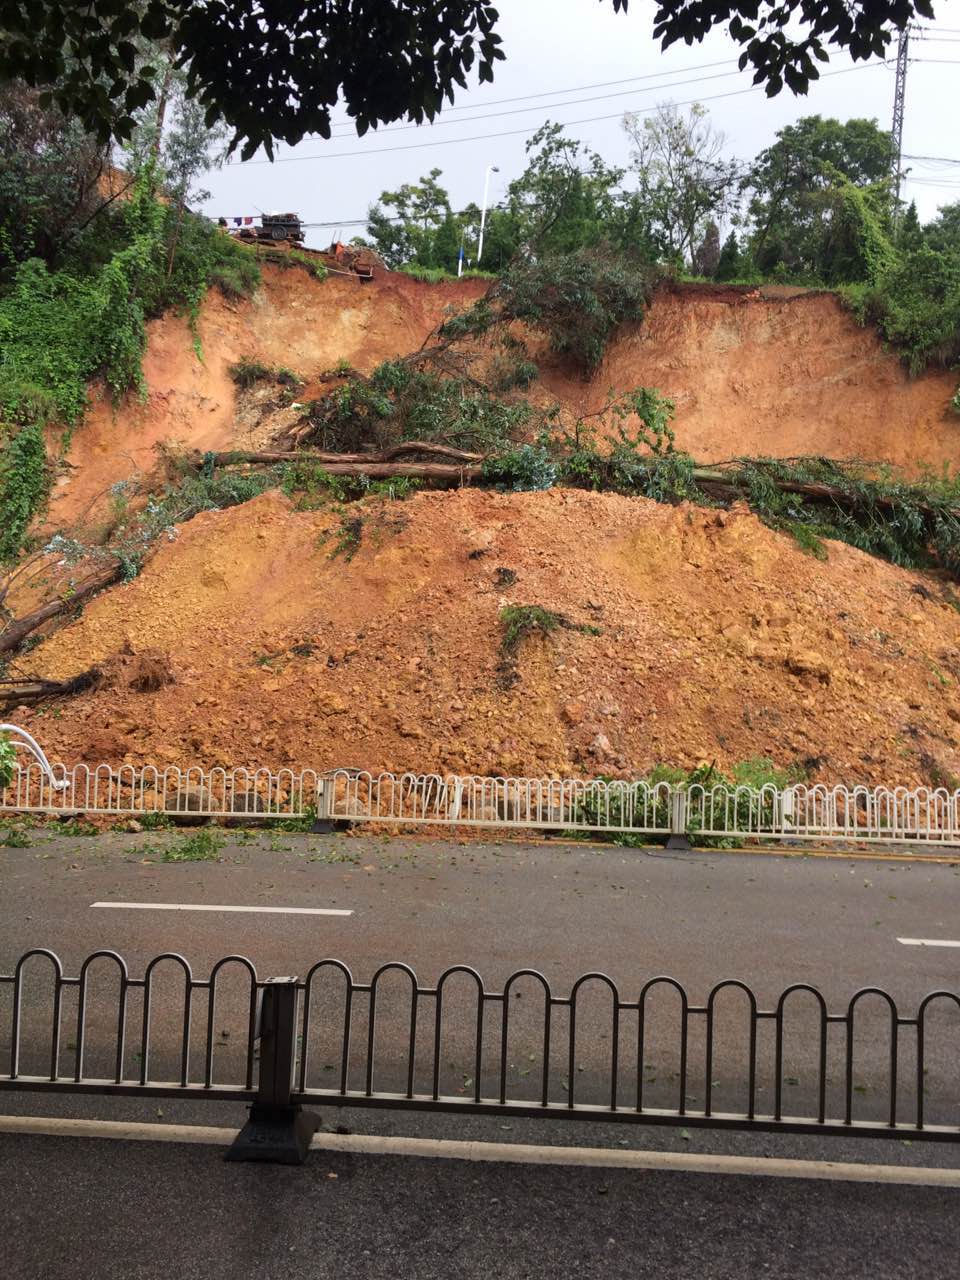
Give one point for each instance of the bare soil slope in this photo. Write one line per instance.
(720, 641)
(750, 374)
(295, 321)
(756, 373)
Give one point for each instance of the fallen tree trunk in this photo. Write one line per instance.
(17, 631)
(730, 482)
(24, 692)
(414, 470)
(409, 448)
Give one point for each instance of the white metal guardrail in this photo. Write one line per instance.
(897, 815)
(919, 815)
(137, 790)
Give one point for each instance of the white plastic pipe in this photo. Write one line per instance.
(26, 742)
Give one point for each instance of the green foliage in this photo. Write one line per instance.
(915, 304)
(154, 821)
(8, 757)
(514, 371)
(59, 329)
(302, 824)
(800, 192)
(756, 777)
(577, 299)
(49, 168)
(14, 838)
(518, 621)
(246, 372)
(181, 502)
(76, 827)
(566, 199)
(526, 467)
(203, 846)
(686, 185)
(401, 401)
(439, 275)
(349, 535)
(915, 525)
(24, 483)
(312, 486)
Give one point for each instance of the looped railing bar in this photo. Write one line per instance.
(641, 1052)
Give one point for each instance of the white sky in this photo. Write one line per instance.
(557, 47)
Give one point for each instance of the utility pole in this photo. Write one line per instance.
(491, 168)
(899, 96)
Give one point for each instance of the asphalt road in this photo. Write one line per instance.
(564, 910)
(70, 1209)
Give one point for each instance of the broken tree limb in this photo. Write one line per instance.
(408, 448)
(730, 482)
(27, 691)
(414, 470)
(18, 629)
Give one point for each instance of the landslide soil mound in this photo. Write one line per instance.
(720, 640)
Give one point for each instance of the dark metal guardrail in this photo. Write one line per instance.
(591, 1054)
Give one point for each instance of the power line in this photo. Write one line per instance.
(573, 102)
(552, 93)
(938, 159)
(507, 133)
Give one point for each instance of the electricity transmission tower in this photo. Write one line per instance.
(899, 95)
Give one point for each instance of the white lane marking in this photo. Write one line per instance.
(198, 906)
(928, 942)
(507, 1153)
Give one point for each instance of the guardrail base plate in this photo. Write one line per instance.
(275, 1135)
(678, 842)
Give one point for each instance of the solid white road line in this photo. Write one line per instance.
(202, 906)
(928, 942)
(502, 1152)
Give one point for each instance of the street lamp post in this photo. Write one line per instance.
(491, 168)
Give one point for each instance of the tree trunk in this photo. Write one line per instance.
(18, 630)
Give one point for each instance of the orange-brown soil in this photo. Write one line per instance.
(720, 641)
(295, 321)
(751, 372)
(754, 373)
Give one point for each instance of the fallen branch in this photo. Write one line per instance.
(17, 631)
(731, 482)
(25, 692)
(409, 448)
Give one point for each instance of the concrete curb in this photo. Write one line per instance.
(501, 1152)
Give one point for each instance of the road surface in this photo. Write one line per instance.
(563, 909)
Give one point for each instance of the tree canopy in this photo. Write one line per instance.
(796, 190)
(271, 69)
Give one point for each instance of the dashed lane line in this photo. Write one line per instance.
(204, 906)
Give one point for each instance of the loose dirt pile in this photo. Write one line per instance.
(720, 641)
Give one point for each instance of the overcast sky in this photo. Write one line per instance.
(567, 52)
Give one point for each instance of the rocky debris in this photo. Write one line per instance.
(721, 642)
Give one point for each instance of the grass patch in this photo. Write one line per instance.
(518, 621)
(14, 838)
(203, 846)
(76, 827)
